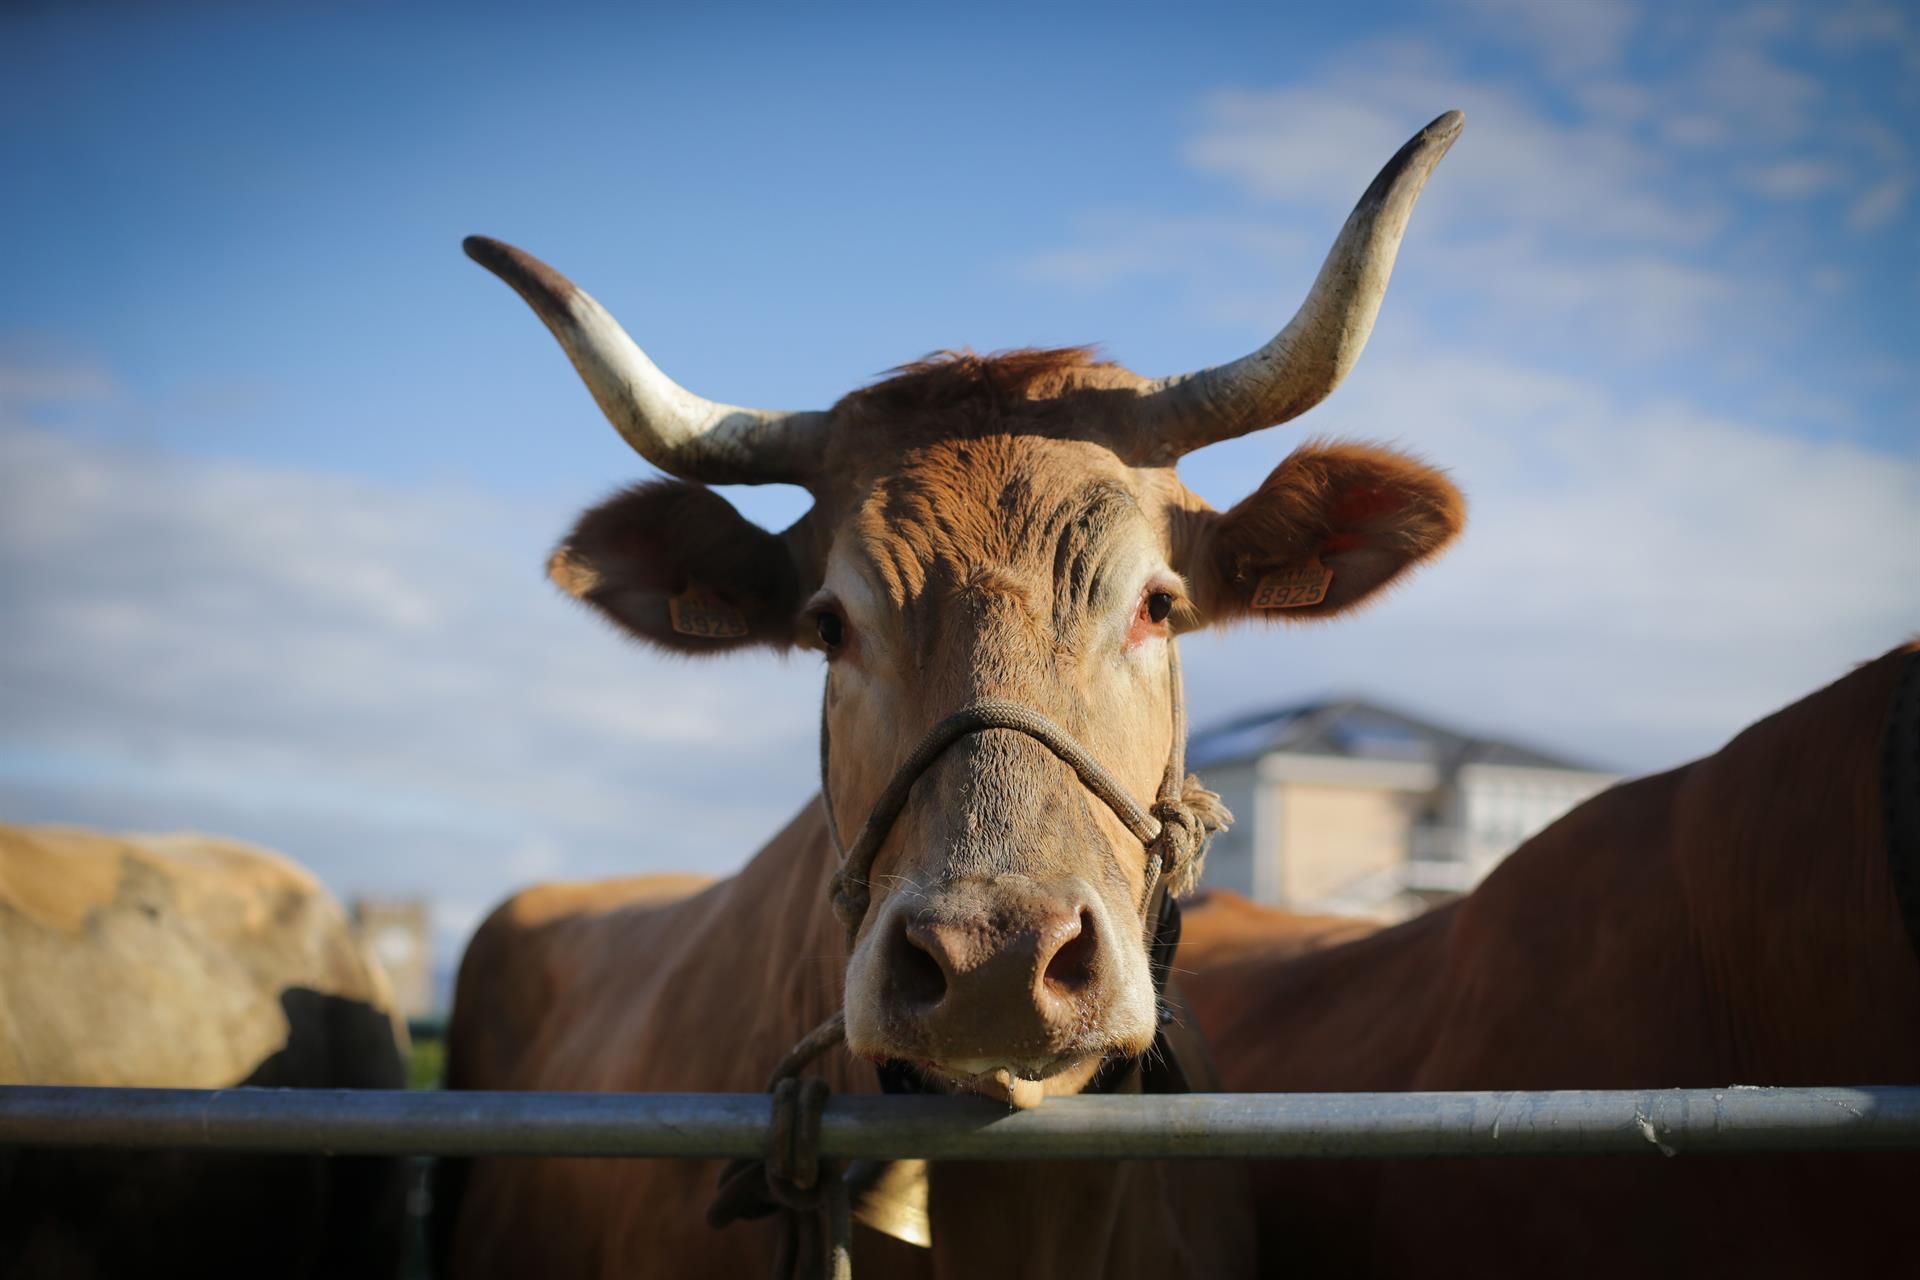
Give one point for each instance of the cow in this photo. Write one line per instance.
(1225, 926)
(199, 963)
(1750, 918)
(997, 560)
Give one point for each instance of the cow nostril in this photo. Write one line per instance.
(918, 977)
(1071, 967)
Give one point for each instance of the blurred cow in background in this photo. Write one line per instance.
(1750, 918)
(188, 962)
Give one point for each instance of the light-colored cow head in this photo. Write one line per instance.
(1000, 527)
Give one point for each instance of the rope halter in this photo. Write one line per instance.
(1174, 830)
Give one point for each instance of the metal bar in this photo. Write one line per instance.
(1322, 1125)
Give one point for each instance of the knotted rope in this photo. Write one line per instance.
(816, 1226)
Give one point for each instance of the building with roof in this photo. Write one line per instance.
(1348, 806)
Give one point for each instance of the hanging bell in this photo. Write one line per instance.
(891, 1197)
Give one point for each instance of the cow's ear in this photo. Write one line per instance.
(676, 565)
(1330, 527)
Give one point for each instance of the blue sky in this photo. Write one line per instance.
(279, 466)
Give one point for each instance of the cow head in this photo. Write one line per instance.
(1003, 527)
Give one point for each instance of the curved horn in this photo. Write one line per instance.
(666, 424)
(1301, 366)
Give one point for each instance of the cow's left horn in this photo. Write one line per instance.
(674, 429)
(1301, 366)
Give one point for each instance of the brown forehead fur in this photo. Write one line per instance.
(996, 384)
(971, 465)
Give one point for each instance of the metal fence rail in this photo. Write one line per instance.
(343, 1122)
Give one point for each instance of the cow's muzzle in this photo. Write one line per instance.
(988, 976)
(990, 973)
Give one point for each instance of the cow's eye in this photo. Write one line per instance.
(1159, 605)
(832, 628)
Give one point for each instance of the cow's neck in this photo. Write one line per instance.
(780, 922)
(987, 1218)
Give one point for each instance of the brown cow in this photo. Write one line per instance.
(1004, 537)
(195, 963)
(1735, 921)
(1223, 926)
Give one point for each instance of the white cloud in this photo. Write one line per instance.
(37, 381)
(1545, 226)
(1794, 179)
(1123, 247)
(1693, 129)
(1755, 92)
(1317, 144)
(1568, 37)
(1632, 303)
(376, 680)
(1590, 226)
(1619, 101)
(1771, 20)
(1748, 93)
(1638, 581)
(1880, 205)
(1870, 26)
(1607, 218)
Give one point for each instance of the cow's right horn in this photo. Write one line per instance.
(1303, 364)
(674, 429)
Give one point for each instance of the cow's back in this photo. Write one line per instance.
(1226, 927)
(1730, 922)
(632, 985)
(187, 962)
(540, 945)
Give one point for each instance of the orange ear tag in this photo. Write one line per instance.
(695, 613)
(1295, 588)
